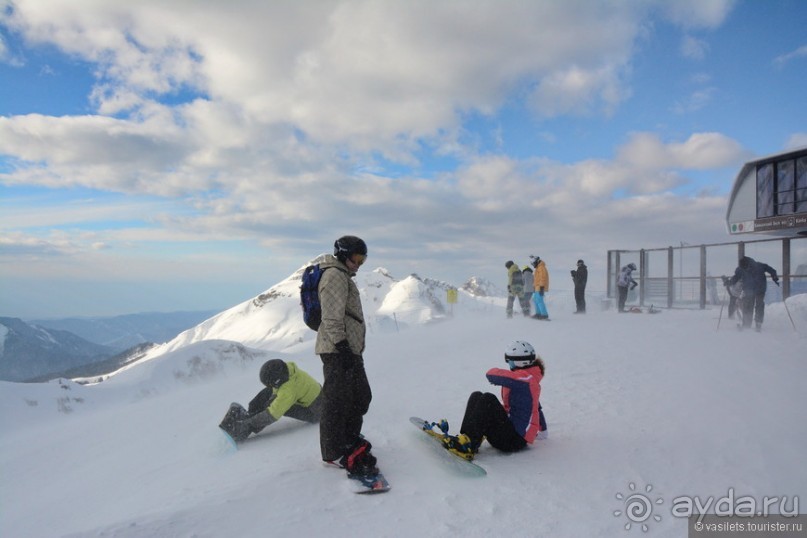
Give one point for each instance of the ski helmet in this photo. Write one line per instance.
(274, 373)
(632, 266)
(348, 245)
(519, 354)
(508, 264)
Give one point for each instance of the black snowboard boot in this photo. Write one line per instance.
(236, 422)
(359, 461)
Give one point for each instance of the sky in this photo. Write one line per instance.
(187, 155)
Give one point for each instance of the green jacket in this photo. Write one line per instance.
(301, 389)
(515, 285)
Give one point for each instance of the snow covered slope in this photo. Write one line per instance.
(632, 401)
(273, 320)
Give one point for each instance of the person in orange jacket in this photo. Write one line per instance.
(541, 285)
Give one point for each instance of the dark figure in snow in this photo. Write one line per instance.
(289, 391)
(580, 277)
(752, 275)
(516, 421)
(340, 344)
(735, 292)
(623, 283)
(515, 288)
(529, 288)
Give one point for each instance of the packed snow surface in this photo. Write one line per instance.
(665, 406)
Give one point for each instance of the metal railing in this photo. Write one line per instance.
(689, 276)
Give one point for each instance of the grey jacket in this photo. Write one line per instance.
(342, 316)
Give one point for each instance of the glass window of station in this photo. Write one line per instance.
(782, 187)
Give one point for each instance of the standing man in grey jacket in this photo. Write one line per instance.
(340, 344)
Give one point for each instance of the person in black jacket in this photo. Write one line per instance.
(752, 275)
(579, 277)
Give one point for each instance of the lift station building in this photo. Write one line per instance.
(770, 196)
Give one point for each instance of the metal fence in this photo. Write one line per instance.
(689, 276)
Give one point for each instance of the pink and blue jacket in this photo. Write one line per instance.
(521, 390)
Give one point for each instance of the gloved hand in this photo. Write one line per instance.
(572, 272)
(776, 281)
(541, 291)
(345, 354)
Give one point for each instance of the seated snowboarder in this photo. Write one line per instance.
(513, 424)
(289, 391)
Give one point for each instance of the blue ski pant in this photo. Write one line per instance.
(540, 306)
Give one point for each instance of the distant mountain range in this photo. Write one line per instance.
(91, 349)
(81, 347)
(124, 332)
(27, 350)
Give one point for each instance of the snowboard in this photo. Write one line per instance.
(369, 484)
(458, 462)
(637, 310)
(376, 483)
(228, 441)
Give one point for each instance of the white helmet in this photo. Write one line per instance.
(519, 354)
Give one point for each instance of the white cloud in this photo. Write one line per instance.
(694, 48)
(696, 13)
(701, 151)
(285, 115)
(339, 72)
(781, 61)
(796, 141)
(574, 90)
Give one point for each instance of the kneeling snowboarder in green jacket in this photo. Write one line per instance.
(289, 391)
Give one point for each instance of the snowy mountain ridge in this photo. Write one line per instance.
(273, 320)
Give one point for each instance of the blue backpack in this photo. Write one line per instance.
(309, 296)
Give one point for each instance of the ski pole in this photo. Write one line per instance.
(784, 301)
(721, 314)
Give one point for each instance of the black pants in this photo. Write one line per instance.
(623, 296)
(753, 305)
(346, 397)
(485, 417)
(264, 398)
(580, 298)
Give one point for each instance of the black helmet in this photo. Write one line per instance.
(274, 373)
(632, 266)
(508, 264)
(348, 245)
